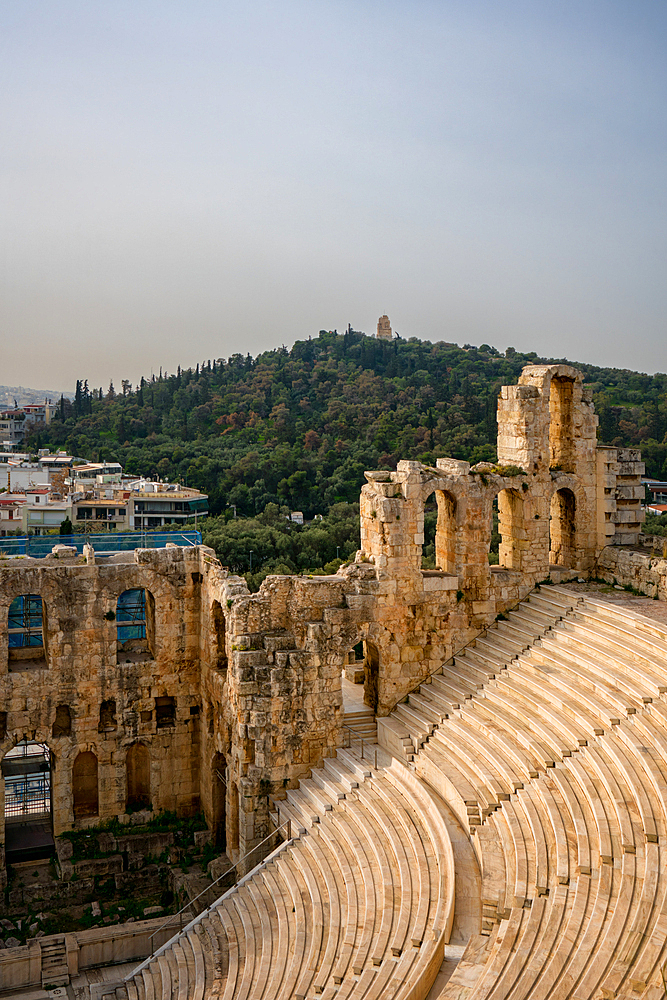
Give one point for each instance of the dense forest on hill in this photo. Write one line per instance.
(294, 430)
(298, 427)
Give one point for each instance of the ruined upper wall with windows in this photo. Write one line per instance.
(156, 679)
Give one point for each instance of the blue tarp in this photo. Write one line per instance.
(39, 546)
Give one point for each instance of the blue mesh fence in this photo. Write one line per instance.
(38, 546)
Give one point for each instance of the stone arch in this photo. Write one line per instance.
(85, 790)
(219, 636)
(135, 625)
(562, 452)
(218, 801)
(138, 773)
(26, 627)
(445, 533)
(27, 777)
(511, 528)
(562, 528)
(371, 674)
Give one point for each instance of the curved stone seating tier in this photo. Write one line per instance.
(360, 904)
(556, 764)
(547, 738)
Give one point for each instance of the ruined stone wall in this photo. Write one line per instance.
(82, 671)
(256, 678)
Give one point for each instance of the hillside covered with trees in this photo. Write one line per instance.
(298, 427)
(295, 430)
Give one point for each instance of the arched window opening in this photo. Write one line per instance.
(445, 534)
(430, 531)
(218, 804)
(26, 633)
(138, 769)
(494, 534)
(219, 627)
(510, 528)
(372, 675)
(135, 617)
(62, 724)
(84, 785)
(108, 722)
(562, 453)
(26, 770)
(562, 529)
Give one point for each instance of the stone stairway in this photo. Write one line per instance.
(359, 903)
(362, 724)
(54, 962)
(547, 739)
(550, 745)
(413, 721)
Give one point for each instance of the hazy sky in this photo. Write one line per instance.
(184, 180)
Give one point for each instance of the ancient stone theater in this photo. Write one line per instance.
(482, 815)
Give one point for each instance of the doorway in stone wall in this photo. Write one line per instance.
(26, 770)
(562, 529)
(371, 675)
(218, 801)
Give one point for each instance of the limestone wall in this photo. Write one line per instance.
(82, 672)
(256, 679)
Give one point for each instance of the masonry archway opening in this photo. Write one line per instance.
(27, 771)
(85, 793)
(510, 529)
(430, 532)
(138, 773)
(219, 629)
(371, 675)
(445, 534)
(219, 801)
(135, 626)
(561, 424)
(26, 629)
(494, 534)
(562, 529)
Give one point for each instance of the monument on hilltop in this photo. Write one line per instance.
(384, 329)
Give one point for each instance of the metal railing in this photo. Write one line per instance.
(179, 916)
(38, 546)
(353, 735)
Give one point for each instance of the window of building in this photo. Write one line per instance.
(108, 722)
(62, 724)
(134, 625)
(26, 633)
(165, 712)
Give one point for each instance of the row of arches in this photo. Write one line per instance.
(25, 794)
(85, 781)
(440, 530)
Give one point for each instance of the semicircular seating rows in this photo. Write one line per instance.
(556, 760)
(359, 904)
(547, 738)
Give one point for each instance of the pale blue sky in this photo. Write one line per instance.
(185, 180)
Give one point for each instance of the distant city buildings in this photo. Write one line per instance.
(15, 422)
(94, 496)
